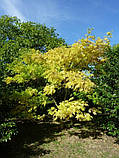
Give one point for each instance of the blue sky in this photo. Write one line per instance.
(71, 18)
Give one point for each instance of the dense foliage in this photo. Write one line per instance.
(54, 78)
(107, 80)
(15, 36)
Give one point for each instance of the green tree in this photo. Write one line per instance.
(17, 37)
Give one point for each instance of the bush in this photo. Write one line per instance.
(107, 80)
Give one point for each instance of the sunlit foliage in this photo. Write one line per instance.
(63, 70)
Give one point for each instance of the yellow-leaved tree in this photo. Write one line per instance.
(62, 72)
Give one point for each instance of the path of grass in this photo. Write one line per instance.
(54, 140)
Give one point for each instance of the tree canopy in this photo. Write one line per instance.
(64, 72)
(15, 38)
(15, 35)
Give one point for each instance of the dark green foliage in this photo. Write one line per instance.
(107, 80)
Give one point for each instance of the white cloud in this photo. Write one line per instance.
(10, 7)
(50, 12)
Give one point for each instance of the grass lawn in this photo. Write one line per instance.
(55, 140)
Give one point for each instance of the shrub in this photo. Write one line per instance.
(107, 80)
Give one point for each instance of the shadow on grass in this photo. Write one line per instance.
(31, 135)
(28, 143)
(86, 129)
